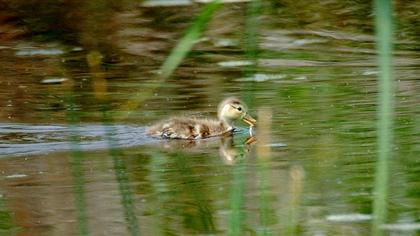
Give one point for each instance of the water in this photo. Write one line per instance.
(25, 140)
(70, 72)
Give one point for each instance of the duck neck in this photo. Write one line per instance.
(227, 124)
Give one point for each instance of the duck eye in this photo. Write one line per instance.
(239, 108)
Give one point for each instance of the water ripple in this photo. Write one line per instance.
(26, 139)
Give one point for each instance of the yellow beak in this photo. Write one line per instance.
(249, 120)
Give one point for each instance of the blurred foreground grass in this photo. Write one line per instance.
(384, 42)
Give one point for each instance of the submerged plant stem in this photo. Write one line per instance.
(127, 198)
(77, 168)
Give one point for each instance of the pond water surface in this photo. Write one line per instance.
(78, 87)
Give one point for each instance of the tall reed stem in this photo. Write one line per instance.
(384, 29)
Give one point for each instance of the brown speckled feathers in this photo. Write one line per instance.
(187, 128)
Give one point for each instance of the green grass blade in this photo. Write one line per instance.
(251, 52)
(252, 25)
(175, 57)
(236, 199)
(267, 216)
(187, 42)
(384, 28)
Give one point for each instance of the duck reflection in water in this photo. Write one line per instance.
(231, 153)
(231, 149)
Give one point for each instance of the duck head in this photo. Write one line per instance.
(233, 109)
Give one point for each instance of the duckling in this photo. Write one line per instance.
(229, 111)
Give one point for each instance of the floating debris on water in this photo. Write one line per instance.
(169, 3)
(263, 77)
(39, 52)
(370, 72)
(301, 78)
(401, 226)
(276, 145)
(165, 3)
(15, 176)
(223, 1)
(301, 42)
(235, 63)
(352, 217)
(225, 43)
(77, 49)
(54, 80)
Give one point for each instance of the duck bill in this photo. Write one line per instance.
(249, 120)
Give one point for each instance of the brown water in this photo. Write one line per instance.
(73, 162)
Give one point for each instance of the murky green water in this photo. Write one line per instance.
(73, 162)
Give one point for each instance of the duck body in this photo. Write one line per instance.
(189, 128)
(229, 111)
